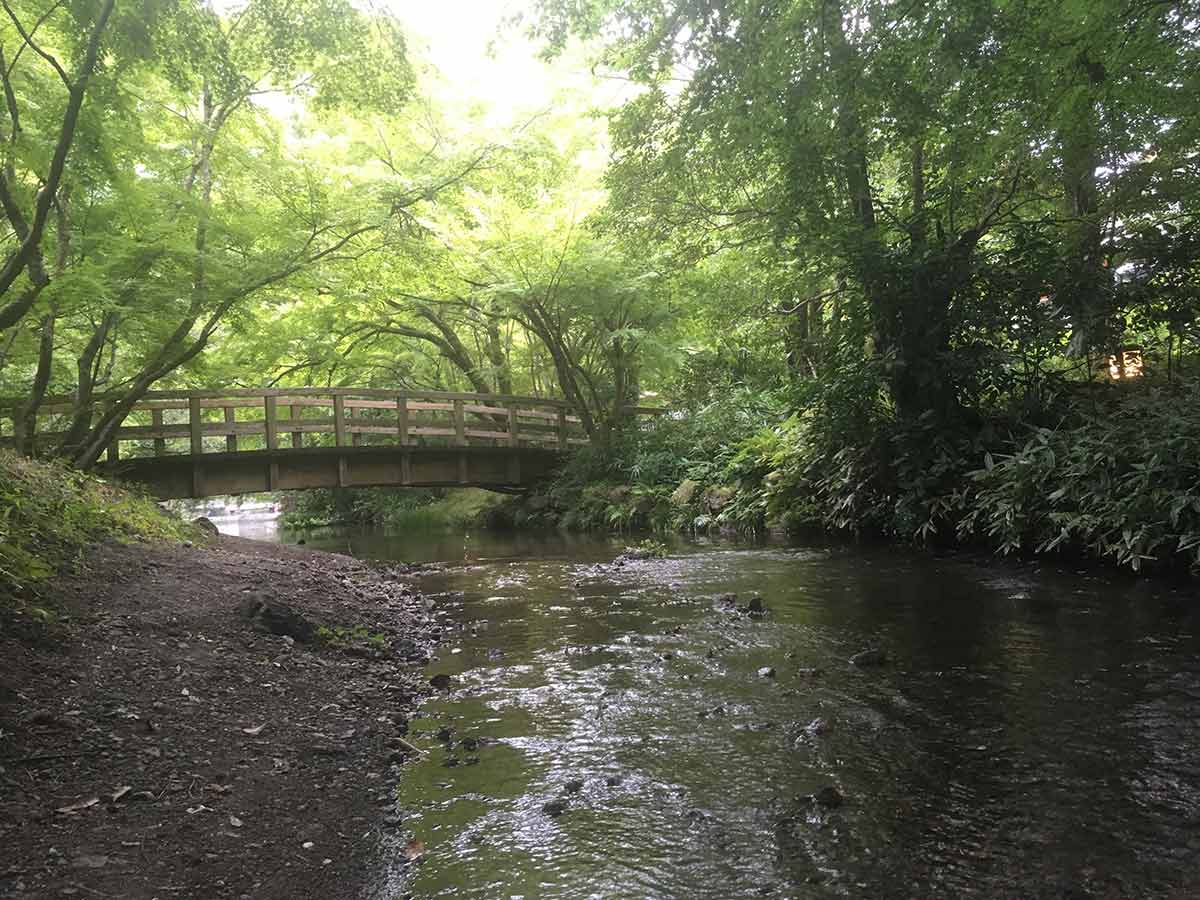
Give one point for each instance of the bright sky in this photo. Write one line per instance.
(481, 58)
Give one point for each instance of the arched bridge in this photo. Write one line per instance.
(205, 443)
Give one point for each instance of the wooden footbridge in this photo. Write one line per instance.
(206, 443)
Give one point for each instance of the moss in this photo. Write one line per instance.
(50, 513)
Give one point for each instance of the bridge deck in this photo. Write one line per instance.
(199, 443)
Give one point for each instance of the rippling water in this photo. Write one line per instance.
(1033, 735)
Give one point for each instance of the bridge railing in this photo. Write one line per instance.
(168, 423)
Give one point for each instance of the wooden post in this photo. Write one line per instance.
(195, 426)
(355, 437)
(513, 439)
(231, 442)
(562, 428)
(339, 420)
(272, 419)
(294, 413)
(402, 418)
(160, 443)
(114, 449)
(460, 425)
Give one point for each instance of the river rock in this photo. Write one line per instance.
(278, 618)
(204, 523)
(817, 727)
(766, 672)
(755, 607)
(876, 656)
(574, 786)
(829, 797)
(555, 808)
(441, 681)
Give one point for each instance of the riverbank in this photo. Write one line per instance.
(216, 721)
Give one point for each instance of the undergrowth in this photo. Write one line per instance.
(50, 514)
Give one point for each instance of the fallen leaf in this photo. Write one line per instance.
(414, 850)
(235, 821)
(192, 810)
(121, 792)
(81, 805)
(255, 730)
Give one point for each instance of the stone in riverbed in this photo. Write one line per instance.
(574, 786)
(766, 672)
(875, 656)
(829, 797)
(441, 681)
(205, 524)
(555, 808)
(278, 618)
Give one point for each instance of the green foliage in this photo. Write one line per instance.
(50, 514)
(393, 508)
(1119, 478)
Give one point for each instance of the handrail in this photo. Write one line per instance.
(349, 416)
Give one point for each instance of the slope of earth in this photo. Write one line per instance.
(221, 721)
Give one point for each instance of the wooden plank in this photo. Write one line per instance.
(372, 429)
(441, 407)
(195, 425)
(160, 444)
(339, 425)
(513, 433)
(271, 422)
(368, 404)
(294, 412)
(231, 442)
(460, 425)
(402, 419)
(562, 429)
(492, 435)
(432, 432)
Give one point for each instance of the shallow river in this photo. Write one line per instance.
(610, 734)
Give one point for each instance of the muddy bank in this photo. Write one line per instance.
(162, 741)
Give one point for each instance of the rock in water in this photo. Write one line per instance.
(278, 618)
(876, 656)
(766, 672)
(204, 523)
(829, 796)
(555, 808)
(755, 606)
(440, 681)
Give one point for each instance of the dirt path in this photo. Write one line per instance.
(163, 743)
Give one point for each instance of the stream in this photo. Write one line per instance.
(616, 731)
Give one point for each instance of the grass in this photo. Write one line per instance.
(51, 513)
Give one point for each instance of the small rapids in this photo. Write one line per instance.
(617, 731)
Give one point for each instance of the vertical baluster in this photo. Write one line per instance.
(339, 420)
(294, 413)
(402, 418)
(562, 428)
(195, 426)
(231, 440)
(271, 425)
(355, 436)
(513, 437)
(160, 443)
(460, 424)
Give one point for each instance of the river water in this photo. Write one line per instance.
(607, 731)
